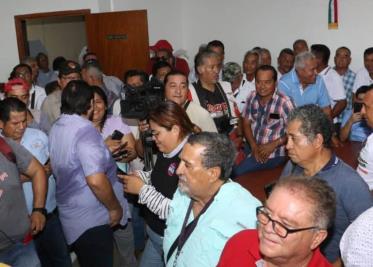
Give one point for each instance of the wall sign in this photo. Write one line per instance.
(116, 37)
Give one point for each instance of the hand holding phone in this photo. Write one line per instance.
(121, 152)
(357, 107)
(117, 135)
(120, 172)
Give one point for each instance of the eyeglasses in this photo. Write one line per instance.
(281, 230)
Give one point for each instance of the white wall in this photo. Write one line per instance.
(164, 18)
(274, 24)
(240, 24)
(243, 24)
(60, 36)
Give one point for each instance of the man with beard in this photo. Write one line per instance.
(214, 207)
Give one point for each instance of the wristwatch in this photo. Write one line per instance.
(41, 210)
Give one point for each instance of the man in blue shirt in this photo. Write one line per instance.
(309, 139)
(303, 85)
(206, 198)
(354, 127)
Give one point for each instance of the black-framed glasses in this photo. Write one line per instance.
(280, 229)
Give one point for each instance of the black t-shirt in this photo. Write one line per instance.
(165, 181)
(216, 105)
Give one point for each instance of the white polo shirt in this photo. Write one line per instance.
(243, 92)
(334, 85)
(362, 78)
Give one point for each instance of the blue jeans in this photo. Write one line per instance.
(138, 225)
(153, 252)
(20, 255)
(250, 164)
(51, 244)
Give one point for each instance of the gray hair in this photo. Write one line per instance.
(200, 58)
(313, 121)
(261, 52)
(251, 52)
(318, 193)
(94, 70)
(301, 59)
(219, 151)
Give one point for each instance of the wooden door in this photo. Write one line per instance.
(120, 40)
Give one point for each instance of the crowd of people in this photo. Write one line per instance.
(79, 177)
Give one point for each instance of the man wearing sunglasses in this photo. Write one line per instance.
(291, 226)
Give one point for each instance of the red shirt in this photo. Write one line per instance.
(182, 65)
(243, 250)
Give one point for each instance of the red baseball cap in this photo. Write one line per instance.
(15, 81)
(161, 44)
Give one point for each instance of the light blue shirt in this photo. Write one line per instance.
(315, 93)
(233, 210)
(77, 150)
(359, 130)
(36, 142)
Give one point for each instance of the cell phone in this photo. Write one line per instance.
(119, 171)
(274, 116)
(268, 188)
(117, 135)
(357, 107)
(120, 154)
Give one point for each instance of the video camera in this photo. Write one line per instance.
(140, 100)
(137, 104)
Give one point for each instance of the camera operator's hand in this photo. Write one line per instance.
(143, 126)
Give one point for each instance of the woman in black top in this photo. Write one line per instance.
(170, 127)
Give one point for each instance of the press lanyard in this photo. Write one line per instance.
(186, 230)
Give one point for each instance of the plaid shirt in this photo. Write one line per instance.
(348, 83)
(264, 126)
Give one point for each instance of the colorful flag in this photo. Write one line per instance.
(333, 15)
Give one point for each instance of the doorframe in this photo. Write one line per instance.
(21, 31)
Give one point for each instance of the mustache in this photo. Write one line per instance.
(182, 178)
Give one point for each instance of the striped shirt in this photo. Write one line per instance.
(348, 82)
(268, 122)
